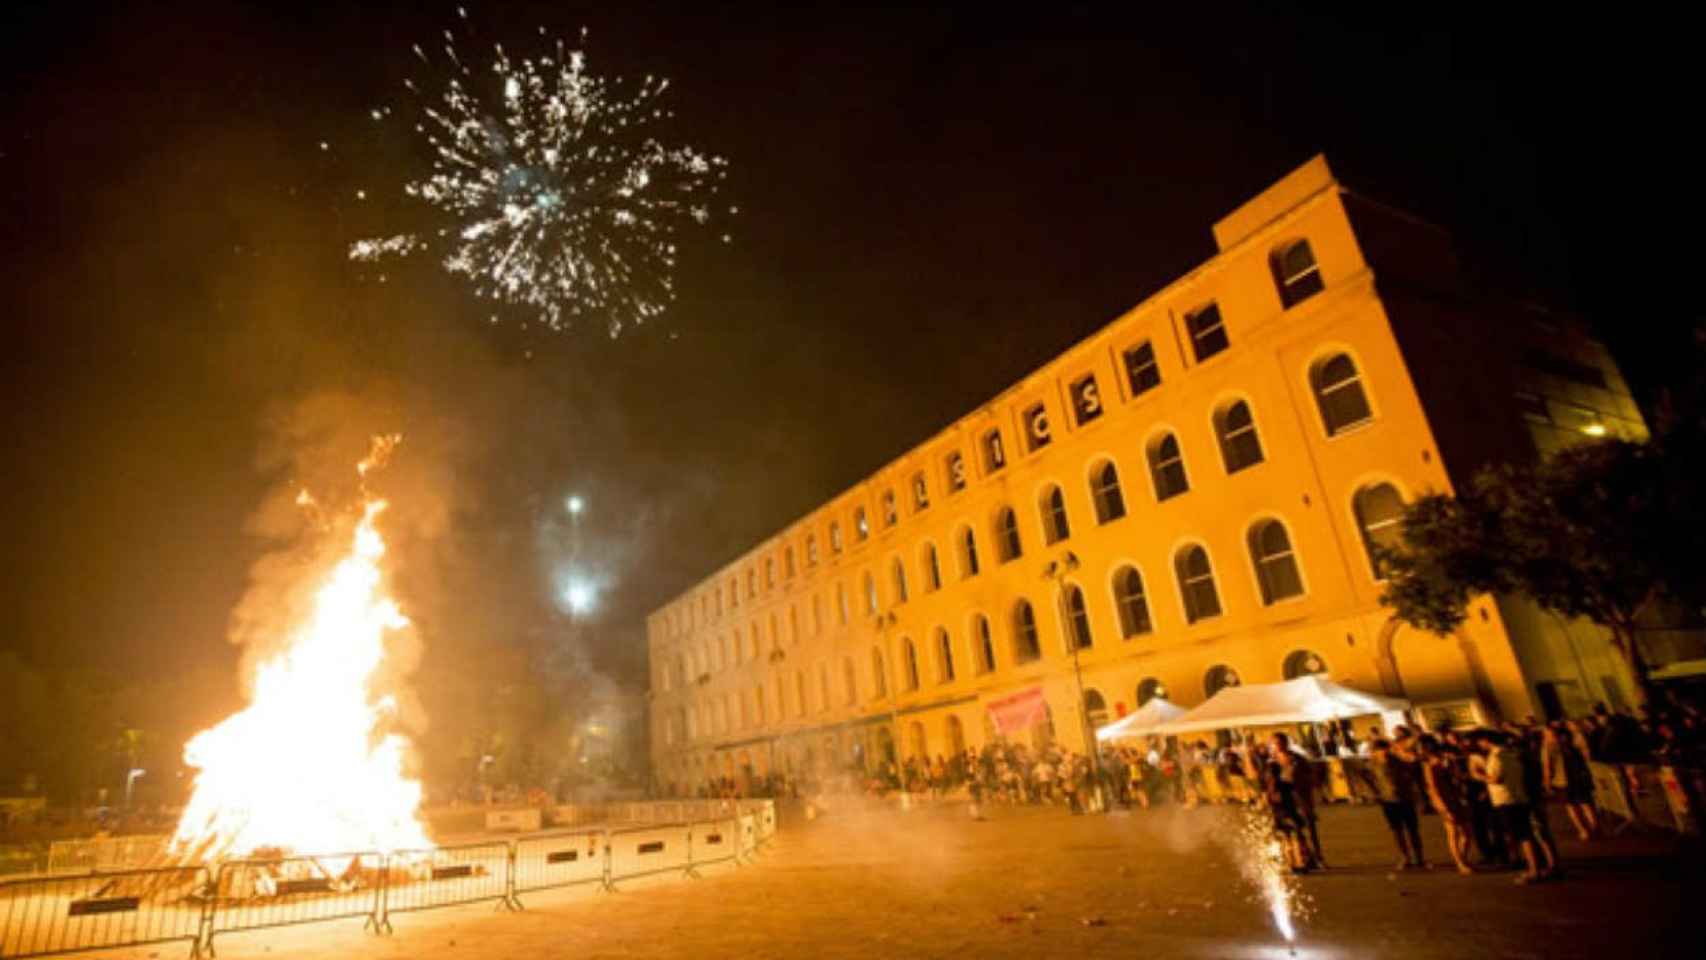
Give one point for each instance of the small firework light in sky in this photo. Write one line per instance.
(551, 187)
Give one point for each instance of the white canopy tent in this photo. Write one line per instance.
(1313, 699)
(1141, 721)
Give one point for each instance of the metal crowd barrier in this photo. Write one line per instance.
(55, 915)
(712, 841)
(647, 851)
(259, 893)
(131, 908)
(444, 877)
(564, 859)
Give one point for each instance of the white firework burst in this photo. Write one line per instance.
(554, 192)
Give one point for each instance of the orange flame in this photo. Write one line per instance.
(303, 766)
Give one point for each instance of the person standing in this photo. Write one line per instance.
(1301, 772)
(1567, 774)
(1502, 773)
(1443, 777)
(1393, 783)
(1279, 794)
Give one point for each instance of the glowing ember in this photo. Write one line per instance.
(306, 766)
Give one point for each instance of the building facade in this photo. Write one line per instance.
(1182, 501)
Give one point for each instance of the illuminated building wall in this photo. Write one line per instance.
(1221, 455)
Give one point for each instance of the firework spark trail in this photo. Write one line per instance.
(1261, 860)
(553, 192)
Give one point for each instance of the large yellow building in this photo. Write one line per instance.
(1187, 497)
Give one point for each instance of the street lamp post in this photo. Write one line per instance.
(1056, 571)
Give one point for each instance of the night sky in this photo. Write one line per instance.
(931, 204)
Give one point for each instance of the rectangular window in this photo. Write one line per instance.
(956, 465)
(1208, 331)
(920, 492)
(1086, 399)
(891, 513)
(1141, 368)
(994, 454)
(1037, 432)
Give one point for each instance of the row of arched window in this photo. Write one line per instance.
(1340, 398)
(1377, 509)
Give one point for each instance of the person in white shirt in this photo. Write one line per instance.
(1502, 774)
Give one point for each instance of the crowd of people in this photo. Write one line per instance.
(1489, 786)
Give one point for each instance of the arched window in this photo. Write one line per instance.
(1007, 535)
(851, 677)
(1196, 583)
(1304, 663)
(1052, 504)
(788, 562)
(835, 536)
(799, 693)
(1167, 467)
(1149, 689)
(861, 523)
(1218, 678)
(870, 595)
(968, 552)
(1380, 518)
(880, 673)
(1026, 646)
(1276, 565)
(1296, 273)
(1240, 447)
(985, 644)
(944, 656)
(1095, 709)
(899, 572)
(1105, 493)
(932, 568)
(1133, 606)
(1339, 394)
(909, 653)
(1077, 618)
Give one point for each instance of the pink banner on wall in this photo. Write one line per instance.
(1018, 712)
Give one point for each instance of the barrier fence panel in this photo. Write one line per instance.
(423, 879)
(260, 892)
(748, 834)
(765, 811)
(106, 854)
(565, 859)
(645, 851)
(52, 915)
(713, 841)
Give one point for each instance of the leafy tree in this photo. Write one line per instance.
(1602, 531)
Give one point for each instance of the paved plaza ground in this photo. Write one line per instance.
(865, 881)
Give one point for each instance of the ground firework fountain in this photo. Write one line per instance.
(1261, 860)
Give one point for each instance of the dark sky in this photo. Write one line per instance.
(931, 203)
